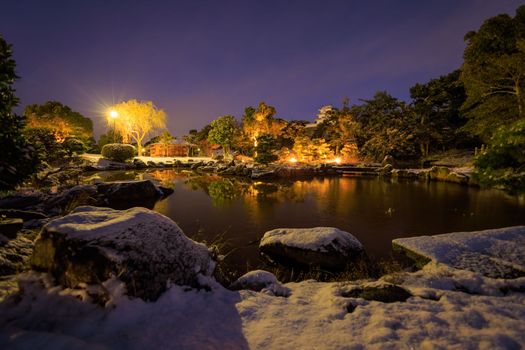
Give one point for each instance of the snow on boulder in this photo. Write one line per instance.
(260, 280)
(326, 247)
(144, 249)
(497, 253)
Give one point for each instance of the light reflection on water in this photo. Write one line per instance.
(374, 210)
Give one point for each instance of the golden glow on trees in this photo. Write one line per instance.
(134, 120)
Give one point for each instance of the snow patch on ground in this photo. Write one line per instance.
(449, 308)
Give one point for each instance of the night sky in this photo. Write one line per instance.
(201, 59)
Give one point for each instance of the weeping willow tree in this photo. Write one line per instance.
(135, 120)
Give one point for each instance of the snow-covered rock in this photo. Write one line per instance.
(144, 249)
(327, 247)
(260, 280)
(497, 253)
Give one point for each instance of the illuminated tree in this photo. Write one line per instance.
(61, 121)
(260, 121)
(134, 120)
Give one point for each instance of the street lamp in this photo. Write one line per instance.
(113, 115)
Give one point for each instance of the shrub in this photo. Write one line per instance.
(118, 152)
(503, 163)
(266, 145)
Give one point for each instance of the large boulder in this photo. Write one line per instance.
(326, 247)
(144, 249)
(121, 193)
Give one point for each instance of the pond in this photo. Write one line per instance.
(237, 212)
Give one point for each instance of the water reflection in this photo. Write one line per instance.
(374, 210)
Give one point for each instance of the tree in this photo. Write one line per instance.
(135, 120)
(437, 105)
(62, 121)
(387, 127)
(17, 161)
(266, 145)
(259, 121)
(494, 74)
(223, 131)
(109, 137)
(503, 163)
(338, 127)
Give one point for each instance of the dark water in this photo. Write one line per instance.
(238, 211)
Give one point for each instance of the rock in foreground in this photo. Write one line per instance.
(498, 253)
(144, 249)
(327, 247)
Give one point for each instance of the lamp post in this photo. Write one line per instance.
(113, 115)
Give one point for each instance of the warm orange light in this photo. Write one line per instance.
(293, 160)
(338, 160)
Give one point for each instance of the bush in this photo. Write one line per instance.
(118, 152)
(503, 163)
(47, 148)
(266, 145)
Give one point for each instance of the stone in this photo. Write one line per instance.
(404, 174)
(73, 197)
(457, 178)
(22, 214)
(151, 164)
(388, 160)
(439, 173)
(21, 201)
(123, 194)
(166, 191)
(261, 281)
(326, 247)
(263, 174)
(144, 249)
(15, 255)
(10, 227)
(254, 280)
(139, 164)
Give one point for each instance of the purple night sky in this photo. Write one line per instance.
(201, 59)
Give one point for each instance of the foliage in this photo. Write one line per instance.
(437, 106)
(136, 120)
(109, 137)
(308, 150)
(62, 121)
(266, 145)
(224, 131)
(18, 160)
(118, 152)
(48, 149)
(257, 122)
(494, 73)
(503, 163)
(338, 127)
(387, 127)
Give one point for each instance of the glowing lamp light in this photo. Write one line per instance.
(338, 160)
(113, 114)
(293, 160)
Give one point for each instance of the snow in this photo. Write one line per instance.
(449, 308)
(316, 238)
(494, 253)
(260, 280)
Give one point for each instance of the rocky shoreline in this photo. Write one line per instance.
(253, 171)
